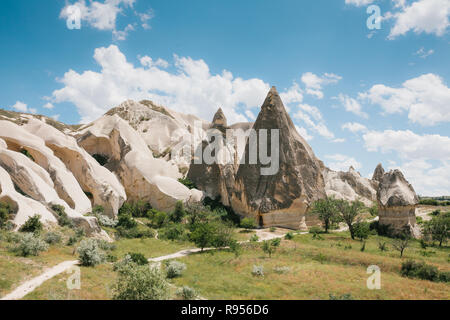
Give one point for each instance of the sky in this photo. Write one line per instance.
(362, 88)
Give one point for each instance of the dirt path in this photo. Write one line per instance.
(32, 284)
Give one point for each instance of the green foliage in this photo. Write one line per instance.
(63, 219)
(126, 221)
(326, 211)
(101, 159)
(178, 213)
(32, 225)
(289, 236)
(138, 209)
(315, 230)
(98, 210)
(187, 182)
(89, 253)
(361, 230)
(272, 229)
(248, 223)
(270, 246)
(187, 293)
(26, 153)
(236, 248)
(173, 231)
(224, 212)
(429, 202)
(138, 258)
(137, 232)
(160, 218)
(402, 241)
(140, 283)
(29, 245)
(438, 228)
(216, 233)
(5, 214)
(421, 270)
(174, 269)
(373, 210)
(382, 245)
(348, 212)
(254, 238)
(52, 238)
(105, 221)
(384, 230)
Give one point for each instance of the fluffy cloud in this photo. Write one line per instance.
(426, 98)
(340, 162)
(358, 3)
(352, 105)
(315, 83)
(48, 106)
(293, 95)
(305, 114)
(191, 88)
(426, 158)
(23, 107)
(429, 16)
(354, 127)
(304, 133)
(424, 53)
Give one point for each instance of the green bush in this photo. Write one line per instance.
(175, 269)
(138, 232)
(101, 159)
(140, 283)
(178, 213)
(137, 209)
(52, 238)
(63, 219)
(421, 270)
(270, 246)
(361, 230)
(105, 221)
(289, 236)
(138, 258)
(98, 210)
(187, 182)
(272, 229)
(160, 219)
(382, 245)
(89, 253)
(32, 225)
(315, 230)
(248, 223)
(254, 238)
(30, 245)
(126, 221)
(172, 232)
(187, 293)
(5, 214)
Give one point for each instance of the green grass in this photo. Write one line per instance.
(318, 268)
(150, 248)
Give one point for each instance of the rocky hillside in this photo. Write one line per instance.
(139, 150)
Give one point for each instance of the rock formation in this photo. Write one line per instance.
(397, 202)
(281, 199)
(350, 186)
(378, 173)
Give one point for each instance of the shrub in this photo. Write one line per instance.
(315, 230)
(160, 219)
(72, 240)
(140, 283)
(187, 293)
(178, 213)
(289, 236)
(105, 221)
(172, 232)
(63, 219)
(5, 214)
(138, 232)
(137, 209)
(89, 253)
(270, 246)
(438, 229)
(101, 159)
(105, 245)
(138, 258)
(382, 245)
(32, 225)
(248, 223)
(175, 269)
(254, 238)
(187, 182)
(52, 238)
(98, 210)
(272, 229)
(30, 245)
(258, 271)
(126, 221)
(236, 248)
(413, 269)
(361, 230)
(436, 213)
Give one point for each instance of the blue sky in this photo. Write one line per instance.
(359, 96)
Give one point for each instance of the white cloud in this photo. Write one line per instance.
(250, 115)
(20, 106)
(426, 158)
(358, 3)
(191, 88)
(145, 18)
(293, 95)
(319, 126)
(422, 16)
(148, 62)
(55, 117)
(304, 133)
(340, 162)
(426, 98)
(48, 106)
(315, 83)
(354, 127)
(103, 15)
(32, 110)
(352, 105)
(424, 53)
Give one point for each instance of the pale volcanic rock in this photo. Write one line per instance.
(397, 202)
(104, 186)
(143, 176)
(281, 199)
(350, 186)
(378, 173)
(67, 187)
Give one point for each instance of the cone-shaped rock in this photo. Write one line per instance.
(378, 173)
(219, 120)
(282, 198)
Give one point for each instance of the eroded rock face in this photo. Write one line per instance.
(93, 179)
(378, 173)
(143, 177)
(281, 199)
(397, 202)
(350, 186)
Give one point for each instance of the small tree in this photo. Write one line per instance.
(248, 223)
(326, 210)
(178, 213)
(438, 229)
(349, 211)
(203, 235)
(236, 248)
(140, 283)
(361, 230)
(402, 241)
(270, 246)
(32, 225)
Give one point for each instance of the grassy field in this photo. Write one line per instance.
(317, 268)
